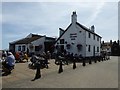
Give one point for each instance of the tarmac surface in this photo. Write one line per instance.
(96, 75)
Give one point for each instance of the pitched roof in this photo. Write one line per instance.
(27, 40)
(63, 32)
(50, 39)
(33, 37)
(85, 28)
(82, 26)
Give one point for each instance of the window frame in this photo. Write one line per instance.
(23, 48)
(89, 48)
(62, 41)
(37, 48)
(19, 48)
(97, 49)
(89, 35)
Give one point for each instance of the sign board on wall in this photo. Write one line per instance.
(73, 36)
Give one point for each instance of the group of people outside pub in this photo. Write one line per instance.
(65, 57)
(8, 63)
(9, 59)
(40, 61)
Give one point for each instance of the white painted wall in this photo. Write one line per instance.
(90, 41)
(34, 43)
(83, 39)
(80, 39)
(37, 43)
(17, 45)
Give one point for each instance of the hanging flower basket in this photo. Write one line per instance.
(79, 46)
(68, 46)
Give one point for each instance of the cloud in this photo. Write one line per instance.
(22, 18)
(60, 0)
(97, 10)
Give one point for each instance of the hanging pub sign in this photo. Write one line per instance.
(73, 36)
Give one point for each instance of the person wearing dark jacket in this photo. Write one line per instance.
(9, 64)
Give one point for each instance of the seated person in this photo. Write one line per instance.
(9, 63)
(17, 56)
(26, 56)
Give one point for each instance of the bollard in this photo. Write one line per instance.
(38, 73)
(90, 61)
(102, 58)
(60, 67)
(84, 64)
(99, 59)
(74, 64)
(95, 60)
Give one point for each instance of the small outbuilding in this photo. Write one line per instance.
(33, 43)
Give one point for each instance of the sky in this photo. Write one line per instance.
(45, 18)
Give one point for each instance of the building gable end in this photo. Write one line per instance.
(64, 32)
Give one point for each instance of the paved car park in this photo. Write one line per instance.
(96, 75)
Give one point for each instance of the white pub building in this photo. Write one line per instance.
(78, 39)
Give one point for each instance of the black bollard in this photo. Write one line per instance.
(90, 61)
(84, 64)
(99, 59)
(38, 73)
(74, 64)
(60, 67)
(102, 59)
(95, 60)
